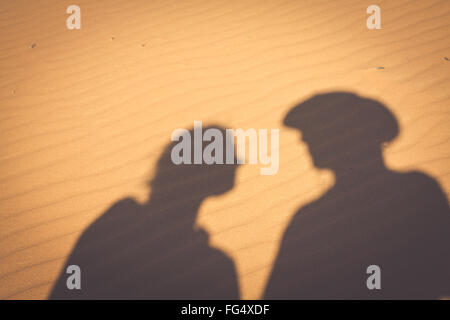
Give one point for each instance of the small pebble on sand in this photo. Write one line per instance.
(33, 45)
(379, 68)
(446, 58)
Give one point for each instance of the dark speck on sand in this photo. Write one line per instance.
(33, 45)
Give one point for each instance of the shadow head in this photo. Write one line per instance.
(195, 181)
(342, 126)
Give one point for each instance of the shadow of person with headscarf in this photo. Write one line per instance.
(399, 221)
(154, 251)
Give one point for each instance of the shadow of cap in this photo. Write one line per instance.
(343, 113)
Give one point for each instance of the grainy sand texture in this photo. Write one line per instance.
(86, 113)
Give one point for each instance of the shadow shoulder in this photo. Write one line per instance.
(314, 205)
(215, 254)
(112, 221)
(91, 244)
(126, 207)
(423, 183)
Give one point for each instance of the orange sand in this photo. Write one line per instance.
(85, 113)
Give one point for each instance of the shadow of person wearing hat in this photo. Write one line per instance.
(155, 250)
(399, 221)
